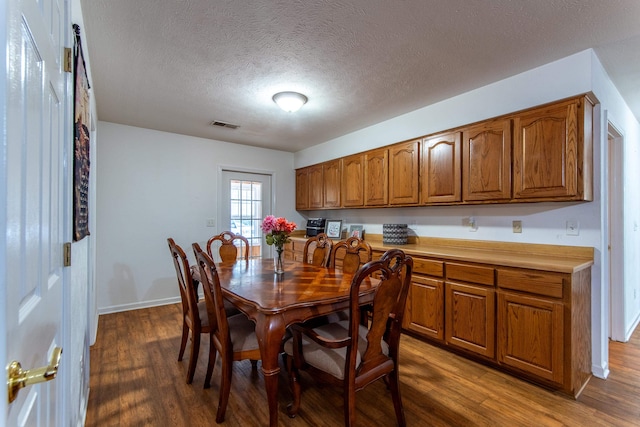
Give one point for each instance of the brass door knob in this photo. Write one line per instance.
(19, 378)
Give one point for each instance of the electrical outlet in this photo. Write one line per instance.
(573, 227)
(211, 222)
(517, 226)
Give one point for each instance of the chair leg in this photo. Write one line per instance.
(254, 364)
(395, 395)
(294, 406)
(185, 337)
(193, 357)
(212, 362)
(349, 407)
(225, 387)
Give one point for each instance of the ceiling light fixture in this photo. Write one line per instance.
(290, 101)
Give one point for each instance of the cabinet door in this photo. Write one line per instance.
(404, 173)
(316, 187)
(531, 335)
(332, 172)
(425, 308)
(376, 177)
(470, 318)
(486, 161)
(440, 172)
(546, 149)
(302, 189)
(353, 180)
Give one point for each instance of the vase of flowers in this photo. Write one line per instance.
(278, 230)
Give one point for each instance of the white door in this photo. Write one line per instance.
(246, 200)
(32, 196)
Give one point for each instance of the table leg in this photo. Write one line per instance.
(270, 332)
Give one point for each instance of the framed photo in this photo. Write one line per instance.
(333, 228)
(356, 231)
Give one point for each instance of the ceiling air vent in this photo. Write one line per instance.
(223, 124)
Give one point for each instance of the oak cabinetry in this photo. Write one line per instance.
(315, 186)
(424, 313)
(404, 173)
(440, 172)
(332, 174)
(486, 161)
(302, 189)
(376, 177)
(353, 181)
(552, 152)
(470, 308)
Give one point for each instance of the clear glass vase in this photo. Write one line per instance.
(278, 260)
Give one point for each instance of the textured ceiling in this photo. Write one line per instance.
(175, 66)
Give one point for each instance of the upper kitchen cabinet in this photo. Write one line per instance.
(353, 181)
(553, 152)
(486, 161)
(302, 189)
(404, 173)
(316, 187)
(376, 177)
(332, 173)
(440, 171)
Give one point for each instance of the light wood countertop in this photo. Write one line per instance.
(553, 258)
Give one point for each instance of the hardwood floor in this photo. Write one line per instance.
(136, 380)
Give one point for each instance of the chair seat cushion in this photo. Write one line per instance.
(202, 310)
(329, 360)
(243, 333)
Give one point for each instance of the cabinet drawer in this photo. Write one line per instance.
(428, 266)
(535, 282)
(470, 273)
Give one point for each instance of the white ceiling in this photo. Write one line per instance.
(175, 66)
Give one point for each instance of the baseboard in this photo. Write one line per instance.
(600, 371)
(138, 305)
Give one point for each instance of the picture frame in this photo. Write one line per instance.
(333, 228)
(356, 230)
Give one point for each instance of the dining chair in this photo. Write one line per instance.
(228, 250)
(233, 337)
(356, 253)
(194, 312)
(353, 355)
(320, 246)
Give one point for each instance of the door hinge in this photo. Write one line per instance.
(68, 63)
(67, 254)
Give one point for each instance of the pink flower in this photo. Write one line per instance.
(277, 230)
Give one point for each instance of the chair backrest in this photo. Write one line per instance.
(353, 248)
(321, 246)
(394, 270)
(213, 297)
(185, 283)
(228, 251)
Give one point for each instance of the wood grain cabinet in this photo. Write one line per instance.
(553, 152)
(404, 173)
(440, 171)
(332, 176)
(544, 325)
(470, 308)
(353, 181)
(486, 161)
(424, 312)
(316, 187)
(376, 177)
(302, 189)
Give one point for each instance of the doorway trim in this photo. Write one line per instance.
(615, 231)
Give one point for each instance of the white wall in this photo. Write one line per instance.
(543, 223)
(154, 185)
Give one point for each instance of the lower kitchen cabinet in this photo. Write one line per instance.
(531, 335)
(470, 318)
(424, 313)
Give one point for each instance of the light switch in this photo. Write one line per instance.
(211, 222)
(517, 226)
(573, 227)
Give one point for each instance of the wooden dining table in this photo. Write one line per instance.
(275, 302)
